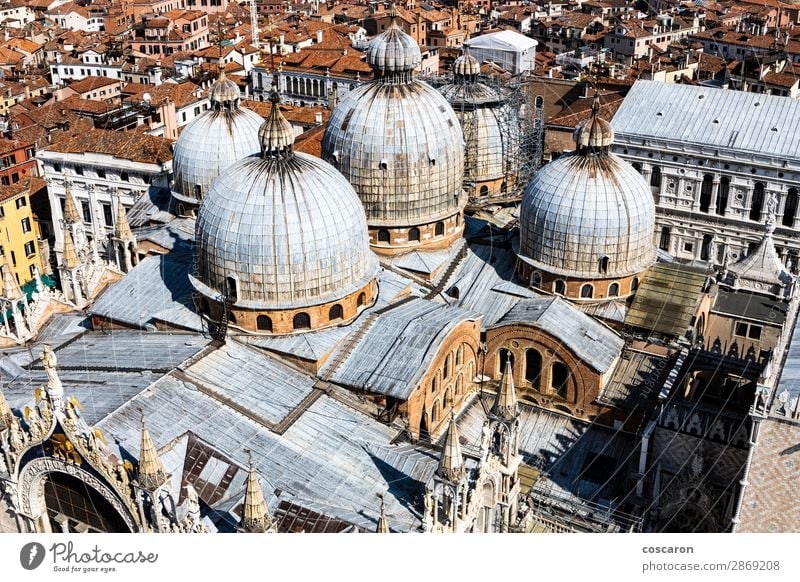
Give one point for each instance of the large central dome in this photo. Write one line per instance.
(399, 143)
(587, 220)
(211, 142)
(281, 239)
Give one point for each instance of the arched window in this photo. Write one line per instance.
(434, 384)
(503, 188)
(446, 369)
(505, 355)
(635, 284)
(459, 385)
(587, 291)
(533, 367)
(536, 280)
(559, 287)
(202, 305)
(460, 355)
(361, 299)
(436, 412)
(603, 266)
(758, 201)
(447, 401)
(302, 321)
(198, 192)
(613, 290)
(790, 209)
(705, 248)
(484, 190)
(383, 235)
(560, 379)
(439, 229)
(231, 317)
(413, 234)
(263, 323)
(705, 192)
(722, 195)
(231, 290)
(663, 242)
(336, 312)
(655, 177)
(637, 166)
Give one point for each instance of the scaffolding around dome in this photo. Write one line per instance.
(503, 126)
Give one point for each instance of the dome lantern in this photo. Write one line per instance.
(224, 93)
(394, 55)
(276, 134)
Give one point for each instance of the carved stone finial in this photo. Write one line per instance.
(55, 390)
(383, 524)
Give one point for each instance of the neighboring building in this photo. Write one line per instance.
(98, 165)
(19, 233)
(713, 158)
(635, 39)
(510, 50)
(171, 32)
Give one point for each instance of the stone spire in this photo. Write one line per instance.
(11, 288)
(122, 230)
(762, 270)
(71, 215)
(255, 515)
(383, 524)
(505, 403)
(151, 472)
(451, 464)
(69, 258)
(5, 409)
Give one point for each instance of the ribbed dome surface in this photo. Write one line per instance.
(402, 149)
(210, 143)
(291, 230)
(580, 208)
(393, 51)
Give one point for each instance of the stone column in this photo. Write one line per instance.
(712, 207)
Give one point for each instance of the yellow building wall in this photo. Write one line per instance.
(13, 239)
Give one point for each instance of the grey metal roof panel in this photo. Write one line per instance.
(563, 447)
(395, 350)
(127, 350)
(750, 305)
(590, 340)
(736, 120)
(790, 373)
(255, 380)
(324, 457)
(157, 289)
(485, 282)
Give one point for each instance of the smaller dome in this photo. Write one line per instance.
(594, 132)
(223, 90)
(466, 65)
(276, 134)
(393, 51)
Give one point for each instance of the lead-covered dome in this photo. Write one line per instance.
(284, 236)
(211, 142)
(399, 143)
(491, 130)
(588, 215)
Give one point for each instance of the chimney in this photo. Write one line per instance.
(318, 118)
(319, 36)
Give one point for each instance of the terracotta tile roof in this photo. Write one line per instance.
(296, 115)
(92, 82)
(181, 94)
(780, 79)
(310, 142)
(121, 144)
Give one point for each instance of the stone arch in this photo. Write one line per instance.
(30, 491)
